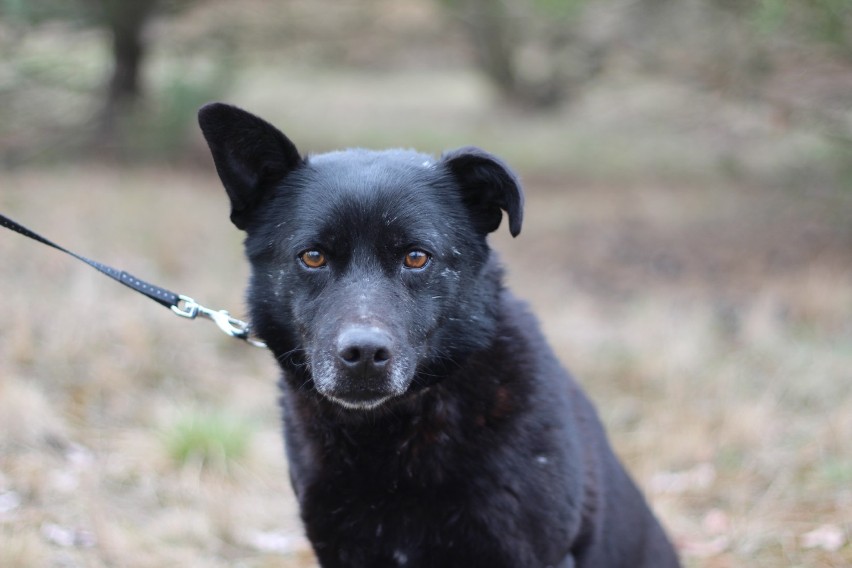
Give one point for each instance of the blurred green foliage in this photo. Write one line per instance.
(539, 59)
(536, 52)
(161, 128)
(28, 12)
(112, 105)
(214, 440)
(84, 12)
(559, 9)
(825, 21)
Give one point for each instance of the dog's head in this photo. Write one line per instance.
(368, 268)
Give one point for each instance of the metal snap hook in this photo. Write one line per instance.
(231, 326)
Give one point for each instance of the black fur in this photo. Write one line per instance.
(427, 422)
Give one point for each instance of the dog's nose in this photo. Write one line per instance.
(365, 349)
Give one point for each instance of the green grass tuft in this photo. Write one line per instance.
(213, 439)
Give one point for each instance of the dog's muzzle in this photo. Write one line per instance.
(363, 369)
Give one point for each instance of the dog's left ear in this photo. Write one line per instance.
(488, 185)
(251, 155)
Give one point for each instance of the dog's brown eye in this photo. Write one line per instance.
(416, 259)
(313, 259)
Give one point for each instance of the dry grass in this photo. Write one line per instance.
(725, 386)
(724, 378)
(711, 324)
(95, 380)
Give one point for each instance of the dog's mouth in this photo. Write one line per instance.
(352, 404)
(341, 391)
(351, 383)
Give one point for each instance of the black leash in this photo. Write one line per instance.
(181, 305)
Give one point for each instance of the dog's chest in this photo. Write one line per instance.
(382, 490)
(419, 452)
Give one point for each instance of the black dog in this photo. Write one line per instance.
(427, 422)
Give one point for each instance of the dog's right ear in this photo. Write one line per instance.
(488, 185)
(251, 155)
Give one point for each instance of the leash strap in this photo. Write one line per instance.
(181, 305)
(159, 295)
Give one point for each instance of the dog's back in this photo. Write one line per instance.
(427, 422)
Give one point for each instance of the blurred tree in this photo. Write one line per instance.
(826, 21)
(806, 47)
(125, 21)
(537, 53)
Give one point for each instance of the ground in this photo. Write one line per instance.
(710, 325)
(690, 268)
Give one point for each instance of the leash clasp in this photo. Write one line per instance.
(231, 326)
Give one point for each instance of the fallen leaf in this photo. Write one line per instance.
(9, 501)
(278, 542)
(716, 522)
(830, 538)
(696, 478)
(67, 537)
(705, 548)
